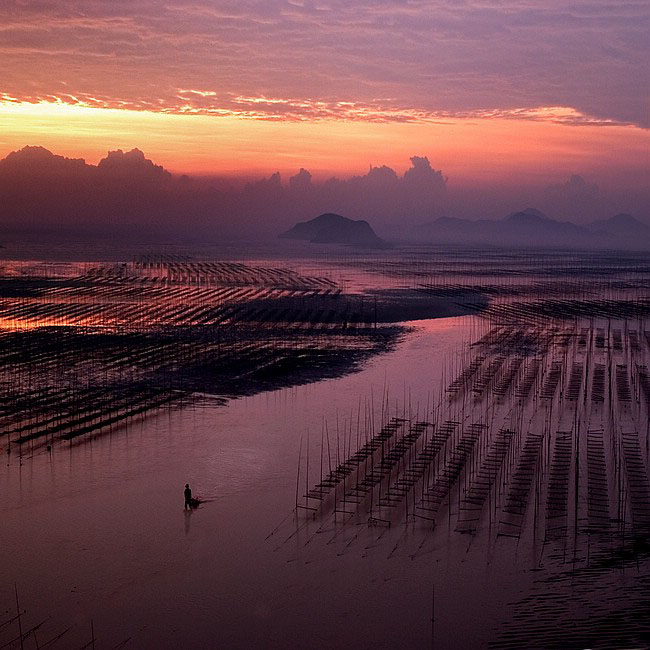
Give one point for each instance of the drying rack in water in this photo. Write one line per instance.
(548, 440)
(88, 348)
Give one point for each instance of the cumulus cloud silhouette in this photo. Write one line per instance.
(132, 166)
(127, 194)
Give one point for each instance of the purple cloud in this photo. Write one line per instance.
(315, 59)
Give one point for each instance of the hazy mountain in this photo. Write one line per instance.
(127, 195)
(528, 216)
(332, 228)
(533, 228)
(621, 225)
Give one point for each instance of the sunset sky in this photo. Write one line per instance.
(490, 91)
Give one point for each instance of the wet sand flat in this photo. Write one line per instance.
(479, 481)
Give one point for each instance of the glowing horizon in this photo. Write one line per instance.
(535, 145)
(499, 97)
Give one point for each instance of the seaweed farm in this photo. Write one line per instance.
(532, 411)
(414, 448)
(88, 347)
(539, 438)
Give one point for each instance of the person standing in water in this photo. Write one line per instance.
(188, 496)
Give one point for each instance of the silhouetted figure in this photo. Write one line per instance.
(188, 496)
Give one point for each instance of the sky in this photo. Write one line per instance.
(496, 94)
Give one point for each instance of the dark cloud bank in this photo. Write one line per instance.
(128, 196)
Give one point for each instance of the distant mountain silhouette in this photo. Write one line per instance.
(532, 228)
(621, 225)
(127, 196)
(528, 216)
(330, 228)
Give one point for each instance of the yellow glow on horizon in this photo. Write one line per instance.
(485, 148)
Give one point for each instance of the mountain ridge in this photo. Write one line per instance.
(332, 228)
(531, 227)
(127, 194)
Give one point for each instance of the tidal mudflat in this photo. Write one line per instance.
(415, 447)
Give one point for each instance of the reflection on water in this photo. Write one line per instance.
(124, 547)
(502, 498)
(188, 520)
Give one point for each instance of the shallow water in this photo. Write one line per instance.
(95, 533)
(97, 530)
